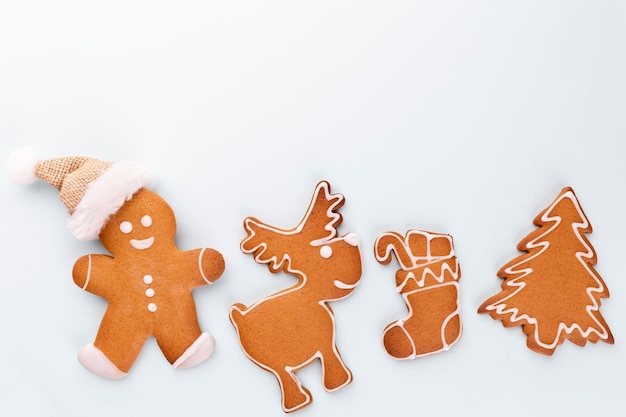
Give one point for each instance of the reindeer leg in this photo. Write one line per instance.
(336, 374)
(295, 396)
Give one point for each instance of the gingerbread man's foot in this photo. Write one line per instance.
(199, 350)
(97, 362)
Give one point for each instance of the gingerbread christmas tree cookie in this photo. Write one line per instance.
(146, 280)
(553, 290)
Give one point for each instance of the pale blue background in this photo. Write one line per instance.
(463, 117)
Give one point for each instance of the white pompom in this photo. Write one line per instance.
(21, 165)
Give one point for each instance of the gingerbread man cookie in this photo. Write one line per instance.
(287, 331)
(428, 281)
(148, 281)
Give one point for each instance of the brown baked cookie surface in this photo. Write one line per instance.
(148, 284)
(428, 282)
(552, 290)
(288, 330)
(146, 279)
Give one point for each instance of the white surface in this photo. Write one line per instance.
(461, 117)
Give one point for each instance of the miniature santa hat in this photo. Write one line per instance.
(92, 190)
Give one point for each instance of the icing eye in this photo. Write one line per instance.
(126, 227)
(146, 221)
(326, 251)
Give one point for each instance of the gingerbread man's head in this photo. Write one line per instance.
(145, 224)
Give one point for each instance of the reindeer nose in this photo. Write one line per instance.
(352, 239)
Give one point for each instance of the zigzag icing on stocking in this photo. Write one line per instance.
(430, 270)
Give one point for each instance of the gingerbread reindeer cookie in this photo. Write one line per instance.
(428, 281)
(147, 280)
(552, 290)
(286, 331)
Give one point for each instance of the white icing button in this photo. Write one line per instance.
(148, 279)
(152, 307)
(149, 292)
(326, 251)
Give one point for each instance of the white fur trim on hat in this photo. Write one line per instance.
(105, 196)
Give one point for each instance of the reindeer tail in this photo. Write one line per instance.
(236, 313)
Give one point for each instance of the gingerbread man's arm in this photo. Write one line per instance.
(89, 270)
(204, 266)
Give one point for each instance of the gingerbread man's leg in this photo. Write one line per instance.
(182, 342)
(115, 349)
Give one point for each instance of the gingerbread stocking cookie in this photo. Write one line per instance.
(147, 280)
(428, 281)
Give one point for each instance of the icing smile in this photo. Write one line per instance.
(141, 244)
(343, 286)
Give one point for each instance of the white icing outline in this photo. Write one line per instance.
(400, 323)
(97, 362)
(88, 272)
(200, 266)
(404, 240)
(501, 308)
(426, 271)
(343, 286)
(196, 353)
(352, 239)
(292, 369)
(334, 218)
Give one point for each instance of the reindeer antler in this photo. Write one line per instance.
(392, 241)
(266, 243)
(272, 245)
(322, 217)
